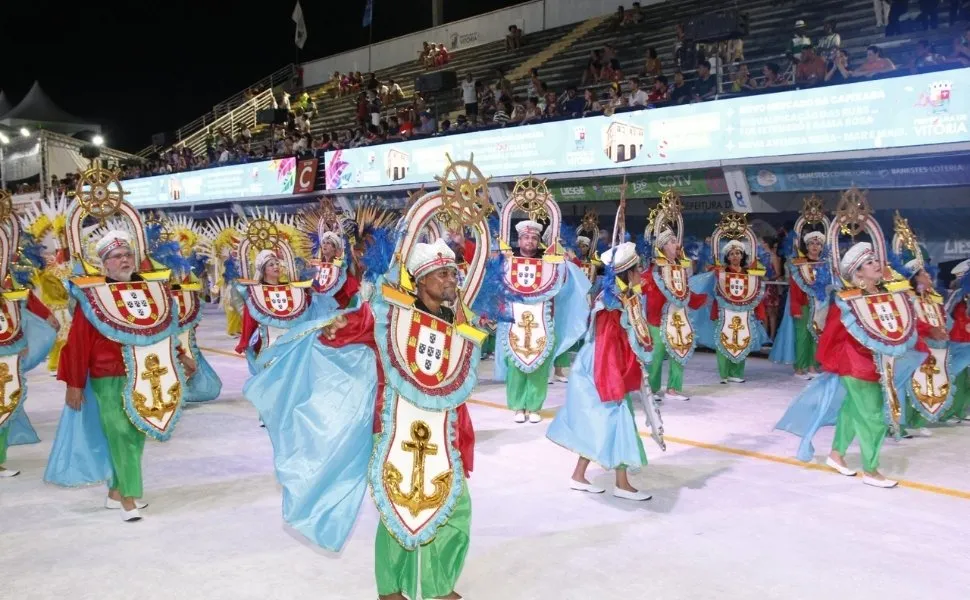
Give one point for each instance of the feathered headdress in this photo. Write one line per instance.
(494, 300)
(46, 222)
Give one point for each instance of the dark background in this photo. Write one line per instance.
(139, 67)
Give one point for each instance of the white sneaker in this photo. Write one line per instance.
(562, 378)
(5, 473)
(535, 418)
(130, 515)
(673, 395)
(924, 432)
(657, 397)
(841, 470)
(879, 483)
(736, 379)
(579, 486)
(804, 376)
(724, 381)
(637, 496)
(112, 504)
(519, 416)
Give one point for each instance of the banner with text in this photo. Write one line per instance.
(235, 182)
(642, 185)
(915, 110)
(942, 171)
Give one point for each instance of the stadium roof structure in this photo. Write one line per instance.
(5, 105)
(38, 111)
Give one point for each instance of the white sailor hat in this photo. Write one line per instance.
(528, 226)
(264, 257)
(426, 258)
(621, 257)
(112, 240)
(854, 257)
(731, 245)
(814, 235)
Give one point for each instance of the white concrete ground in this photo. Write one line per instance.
(730, 518)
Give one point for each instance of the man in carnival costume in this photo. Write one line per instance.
(25, 340)
(864, 355)
(124, 375)
(597, 422)
(375, 397)
(958, 309)
(548, 320)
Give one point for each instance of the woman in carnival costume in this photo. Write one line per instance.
(376, 397)
(186, 253)
(958, 309)
(669, 297)
(25, 341)
(44, 224)
(553, 309)
(224, 233)
(597, 421)
(935, 387)
(330, 262)
(809, 280)
(864, 349)
(736, 284)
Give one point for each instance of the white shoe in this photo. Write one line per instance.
(562, 378)
(130, 515)
(579, 486)
(804, 376)
(841, 470)
(9, 473)
(879, 483)
(519, 416)
(112, 504)
(637, 496)
(736, 379)
(535, 418)
(656, 397)
(924, 432)
(672, 395)
(724, 381)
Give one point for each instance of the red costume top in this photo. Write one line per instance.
(759, 311)
(656, 299)
(360, 330)
(347, 291)
(839, 353)
(249, 327)
(796, 298)
(961, 323)
(37, 307)
(616, 369)
(87, 353)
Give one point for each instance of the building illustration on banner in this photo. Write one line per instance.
(396, 164)
(623, 141)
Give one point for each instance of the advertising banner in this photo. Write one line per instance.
(890, 174)
(251, 180)
(915, 110)
(641, 185)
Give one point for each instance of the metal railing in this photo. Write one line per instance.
(231, 123)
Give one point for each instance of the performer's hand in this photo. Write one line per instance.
(53, 322)
(189, 365)
(938, 333)
(330, 331)
(74, 398)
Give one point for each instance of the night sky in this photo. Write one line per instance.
(140, 68)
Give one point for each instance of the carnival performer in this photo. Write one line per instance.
(958, 308)
(863, 350)
(123, 324)
(554, 308)
(736, 285)
(225, 235)
(332, 277)
(376, 396)
(44, 224)
(669, 297)
(26, 338)
(809, 279)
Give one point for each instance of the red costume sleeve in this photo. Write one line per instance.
(839, 353)
(465, 439)
(654, 297)
(87, 353)
(797, 298)
(616, 370)
(468, 251)
(961, 323)
(249, 327)
(697, 300)
(576, 262)
(347, 292)
(760, 312)
(37, 307)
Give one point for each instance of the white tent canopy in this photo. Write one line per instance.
(38, 110)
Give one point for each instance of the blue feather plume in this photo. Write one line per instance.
(823, 277)
(705, 257)
(170, 255)
(765, 258)
(230, 271)
(897, 261)
(304, 271)
(790, 244)
(379, 253)
(645, 248)
(200, 263)
(611, 293)
(692, 247)
(21, 274)
(31, 251)
(494, 299)
(567, 238)
(153, 234)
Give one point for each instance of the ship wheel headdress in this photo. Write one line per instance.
(99, 199)
(853, 218)
(667, 215)
(811, 219)
(733, 231)
(589, 228)
(11, 231)
(463, 199)
(531, 196)
(319, 220)
(266, 229)
(907, 253)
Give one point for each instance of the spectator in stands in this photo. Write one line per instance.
(799, 40)
(503, 87)
(513, 40)
(874, 64)
(653, 67)
(590, 104)
(518, 110)
(685, 50)
(572, 105)
(811, 68)
(550, 108)
(926, 57)
(659, 93)
(897, 8)
(503, 114)
(532, 111)
(469, 98)
(424, 53)
(830, 41)
(682, 92)
(881, 8)
(961, 48)
(394, 91)
(593, 67)
(705, 86)
(441, 56)
(638, 97)
(615, 99)
(929, 14)
(372, 84)
(427, 126)
(771, 76)
(486, 102)
(535, 84)
(619, 19)
(741, 81)
(839, 71)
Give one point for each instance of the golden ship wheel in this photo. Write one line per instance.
(464, 195)
(99, 193)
